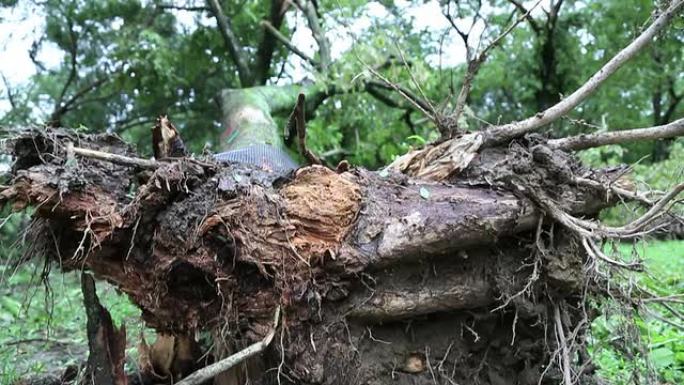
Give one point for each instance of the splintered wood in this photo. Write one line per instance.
(322, 205)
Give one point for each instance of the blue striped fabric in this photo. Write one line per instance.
(262, 155)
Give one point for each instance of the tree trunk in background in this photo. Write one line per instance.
(248, 113)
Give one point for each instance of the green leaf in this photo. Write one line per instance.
(71, 162)
(417, 138)
(662, 357)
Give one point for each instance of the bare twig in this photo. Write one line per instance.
(69, 104)
(502, 134)
(216, 368)
(674, 101)
(528, 17)
(663, 319)
(286, 42)
(414, 162)
(384, 98)
(582, 142)
(115, 158)
(674, 298)
(420, 104)
(130, 121)
(33, 53)
(188, 8)
(43, 341)
(594, 251)
(10, 95)
(565, 354)
(609, 188)
(414, 80)
(590, 229)
(475, 64)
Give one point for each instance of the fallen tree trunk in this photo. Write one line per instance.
(379, 276)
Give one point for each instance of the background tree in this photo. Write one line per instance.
(179, 68)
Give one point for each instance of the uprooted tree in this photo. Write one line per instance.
(475, 259)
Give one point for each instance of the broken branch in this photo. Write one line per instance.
(297, 122)
(582, 142)
(502, 134)
(216, 368)
(115, 158)
(106, 342)
(287, 43)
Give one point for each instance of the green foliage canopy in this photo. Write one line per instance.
(127, 61)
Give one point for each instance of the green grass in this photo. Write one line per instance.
(664, 343)
(41, 333)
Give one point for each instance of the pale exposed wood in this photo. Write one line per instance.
(114, 158)
(211, 371)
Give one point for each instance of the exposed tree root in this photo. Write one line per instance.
(378, 276)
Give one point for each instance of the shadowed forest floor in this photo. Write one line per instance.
(42, 333)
